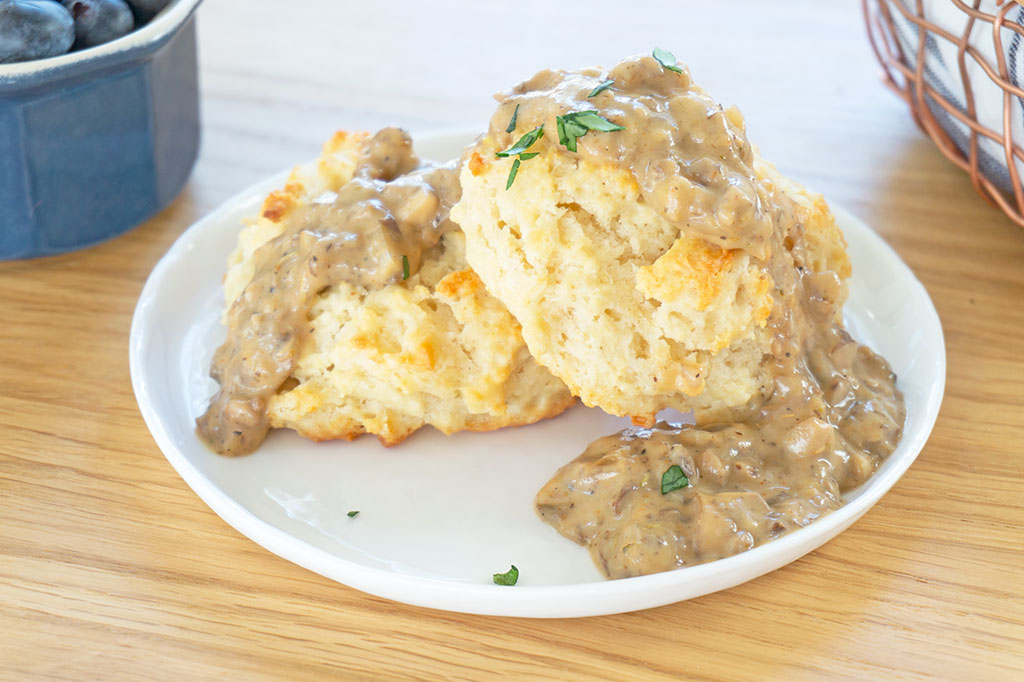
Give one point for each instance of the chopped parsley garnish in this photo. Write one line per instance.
(512, 122)
(512, 174)
(673, 479)
(519, 149)
(598, 90)
(577, 124)
(666, 59)
(524, 143)
(511, 577)
(353, 514)
(405, 267)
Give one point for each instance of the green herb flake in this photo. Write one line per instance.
(512, 122)
(573, 126)
(666, 59)
(600, 88)
(509, 578)
(673, 479)
(519, 150)
(512, 174)
(524, 143)
(405, 267)
(353, 514)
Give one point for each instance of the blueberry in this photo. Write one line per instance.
(33, 29)
(99, 21)
(146, 9)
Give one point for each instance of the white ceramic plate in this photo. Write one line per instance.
(440, 514)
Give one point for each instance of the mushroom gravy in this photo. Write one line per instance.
(371, 232)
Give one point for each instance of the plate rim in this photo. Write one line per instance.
(537, 601)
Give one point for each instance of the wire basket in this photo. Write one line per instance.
(960, 66)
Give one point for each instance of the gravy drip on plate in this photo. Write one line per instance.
(834, 411)
(392, 210)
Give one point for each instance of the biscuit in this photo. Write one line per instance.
(630, 309)
(435, 348)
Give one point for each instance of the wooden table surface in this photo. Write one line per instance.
(112, 568)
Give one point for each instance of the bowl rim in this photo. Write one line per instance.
(162, 26)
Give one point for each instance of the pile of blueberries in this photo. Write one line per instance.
(36, 29)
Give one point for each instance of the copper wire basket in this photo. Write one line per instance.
(904, 58)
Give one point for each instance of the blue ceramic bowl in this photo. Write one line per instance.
(94, 142)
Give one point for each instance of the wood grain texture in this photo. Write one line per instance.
(111, 568)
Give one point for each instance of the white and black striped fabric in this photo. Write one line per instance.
(942, 72)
